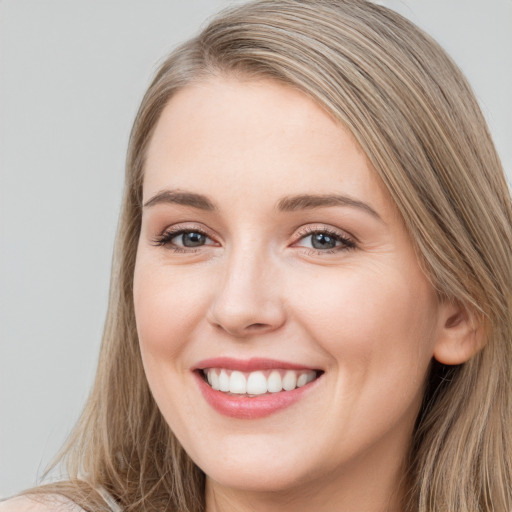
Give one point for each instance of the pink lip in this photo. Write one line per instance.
(243, 406)
(249, 365)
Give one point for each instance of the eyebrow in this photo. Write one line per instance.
(183, 198)
(286, 204)
(311, 201)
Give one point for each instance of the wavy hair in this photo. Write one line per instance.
(416, 118)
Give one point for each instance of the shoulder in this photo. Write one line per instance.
(40, 503)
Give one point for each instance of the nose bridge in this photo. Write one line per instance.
(247, 299)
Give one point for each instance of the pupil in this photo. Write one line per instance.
(193, 239)
(323, 241)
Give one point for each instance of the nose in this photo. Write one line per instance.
(248, 299)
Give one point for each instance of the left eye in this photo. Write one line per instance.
(325, 241)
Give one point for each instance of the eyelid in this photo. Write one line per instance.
(309, 229)
(164, 237)
(344, 241)
(348, 241)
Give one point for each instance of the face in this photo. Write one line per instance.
(285, 326)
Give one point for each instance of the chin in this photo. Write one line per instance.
(258, 479)
(262, 466)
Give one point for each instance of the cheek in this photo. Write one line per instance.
(378, 322)
(168, 308)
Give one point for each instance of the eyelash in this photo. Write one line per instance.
(346, 243)
(165, 239)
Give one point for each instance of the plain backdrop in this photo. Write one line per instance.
(72, 73)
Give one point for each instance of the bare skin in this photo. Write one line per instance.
(230, 263)
(266, 234)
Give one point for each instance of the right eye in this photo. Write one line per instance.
(183, 239)
(189, 239)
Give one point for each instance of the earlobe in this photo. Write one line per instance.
(461, 335)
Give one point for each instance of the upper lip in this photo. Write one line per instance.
(249, 365)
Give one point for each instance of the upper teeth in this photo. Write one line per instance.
(258, 382)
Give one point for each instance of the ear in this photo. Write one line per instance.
(461, 334)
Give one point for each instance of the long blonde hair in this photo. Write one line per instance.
(415, 117)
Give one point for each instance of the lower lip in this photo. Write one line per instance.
(249, 408)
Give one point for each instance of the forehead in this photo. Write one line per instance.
(250, 135)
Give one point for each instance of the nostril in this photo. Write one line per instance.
(243, 318)
(257, 326)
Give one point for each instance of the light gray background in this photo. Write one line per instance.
(71, 75)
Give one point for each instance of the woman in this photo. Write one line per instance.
(311, 301)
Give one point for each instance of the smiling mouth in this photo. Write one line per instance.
(257, 383)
